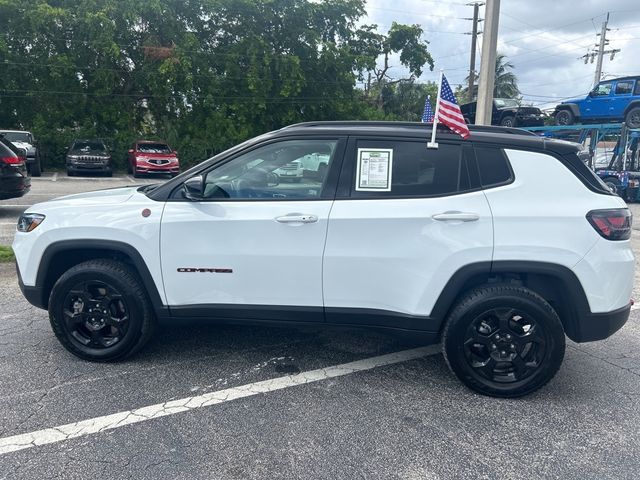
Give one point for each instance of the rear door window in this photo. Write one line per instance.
(413, 169)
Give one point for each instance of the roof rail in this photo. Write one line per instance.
(382, 123)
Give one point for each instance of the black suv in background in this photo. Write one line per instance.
(14, 180)
(89, 156)
(507, 113)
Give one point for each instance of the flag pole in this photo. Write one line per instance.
(433, 143)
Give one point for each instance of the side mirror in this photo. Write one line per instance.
(193, 188)
(131, 150)
(592, 93)
(175, 152)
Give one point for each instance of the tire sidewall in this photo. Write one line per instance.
(544, 317)
(628, 117)
(566, 114)
(133, 304)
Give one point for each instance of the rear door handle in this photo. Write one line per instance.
(456, 216)
(297, 218)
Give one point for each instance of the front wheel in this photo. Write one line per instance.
(99, 311)
(503, 341)
(565, 117)
(508, 121)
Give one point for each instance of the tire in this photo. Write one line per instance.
(36, 171)
(632, 118)
(508, 121)
(503, 341)
(129, 168)
(136, 174)
(613, 183)
(70, 173)
(565, 117)
(103, 284)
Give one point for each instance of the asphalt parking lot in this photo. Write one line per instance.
(247, 402)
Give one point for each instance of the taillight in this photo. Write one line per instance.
(12, 160)
(614, 224)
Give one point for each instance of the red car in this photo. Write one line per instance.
(147, 156)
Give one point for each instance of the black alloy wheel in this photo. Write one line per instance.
(503, 341)
(100, 311)
(564, 117)
(96, 314)
(505, 345)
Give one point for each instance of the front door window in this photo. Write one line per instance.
(292, 169)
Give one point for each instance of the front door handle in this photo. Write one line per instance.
(457, 216)
(297, 218)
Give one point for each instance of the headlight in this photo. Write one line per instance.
(29, 221)
(72, 157)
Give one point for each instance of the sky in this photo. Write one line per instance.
(543, 39)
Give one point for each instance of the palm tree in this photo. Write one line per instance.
(505, 84)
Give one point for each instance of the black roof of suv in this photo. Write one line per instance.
(501, 136)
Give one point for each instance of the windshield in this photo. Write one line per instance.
(17, 136)
(506, 102)
(154, 148)
(88, 145)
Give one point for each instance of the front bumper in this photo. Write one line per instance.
(529, 121)
(34, 295)
(88, 167)
(598, 326)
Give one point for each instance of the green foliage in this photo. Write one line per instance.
(6, 254)
(505, 85)
(202, 75)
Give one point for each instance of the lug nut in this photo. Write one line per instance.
(497, 337)
(503, 353)
(508, 337)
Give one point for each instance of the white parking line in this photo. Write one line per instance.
(120, 419)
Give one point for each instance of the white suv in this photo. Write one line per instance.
(496, 246)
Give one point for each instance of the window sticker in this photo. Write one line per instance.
(374, 169)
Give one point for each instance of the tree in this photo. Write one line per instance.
(203, 75)
(505, 84)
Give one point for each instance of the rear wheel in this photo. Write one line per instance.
(632, 118)
(614, 184)
(565, 117)
(70, 173)
(99, 311)
(503, 341)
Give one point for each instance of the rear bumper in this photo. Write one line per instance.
(13, 187)
(598, 326)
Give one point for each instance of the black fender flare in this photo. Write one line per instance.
(71, 246)
(632, 104)
(572, 107)
(574, 300)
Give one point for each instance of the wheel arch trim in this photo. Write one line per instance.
(576, 305)
(572, 107)
(98, 245)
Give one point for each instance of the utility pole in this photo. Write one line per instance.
(601, 52)
(603, 41)
(474, 37)
(488, 63)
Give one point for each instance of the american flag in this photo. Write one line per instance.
(448, 111)
(427, 115)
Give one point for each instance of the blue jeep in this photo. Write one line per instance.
(611, 100)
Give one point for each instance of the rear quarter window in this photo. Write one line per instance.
(493, 166)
